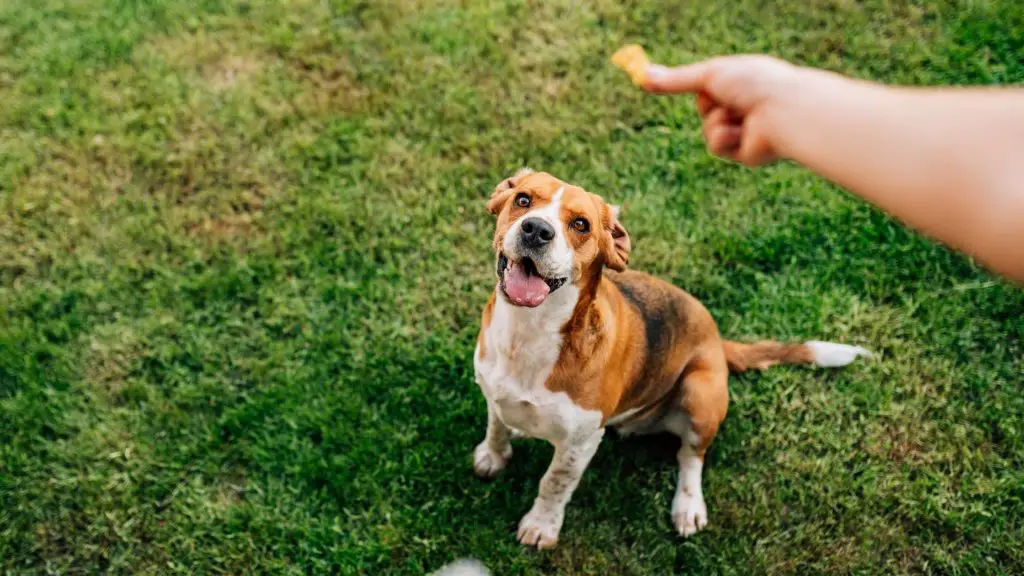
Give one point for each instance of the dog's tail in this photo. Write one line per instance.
(767, 353)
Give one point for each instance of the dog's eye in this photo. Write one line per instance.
(523, 200)
(581, 225)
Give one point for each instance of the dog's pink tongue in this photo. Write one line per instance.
(524, 289)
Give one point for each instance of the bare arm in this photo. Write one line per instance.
(949, 162)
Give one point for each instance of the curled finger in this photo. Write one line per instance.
(718, 116)
(724, 139)
(705, 103)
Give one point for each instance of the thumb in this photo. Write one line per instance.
(681, 79)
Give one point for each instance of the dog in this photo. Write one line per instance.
(571, 343)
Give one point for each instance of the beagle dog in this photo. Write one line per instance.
(571, 343)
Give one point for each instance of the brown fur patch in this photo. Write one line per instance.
(764, 354)
(485, 321)
(705, 397)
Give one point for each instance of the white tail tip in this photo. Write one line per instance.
(832, 355)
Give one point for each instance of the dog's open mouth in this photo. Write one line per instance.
(522, 284)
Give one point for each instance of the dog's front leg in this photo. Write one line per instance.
(492, 455)
(542, 523)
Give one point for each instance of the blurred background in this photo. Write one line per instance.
(243, 251)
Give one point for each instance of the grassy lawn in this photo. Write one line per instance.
(243, 250)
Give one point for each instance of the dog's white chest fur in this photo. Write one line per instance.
(522, 346)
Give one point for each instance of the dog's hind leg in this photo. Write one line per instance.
(705, 398)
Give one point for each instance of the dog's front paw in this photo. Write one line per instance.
(540, 528)
(487, 463)
(689, 513)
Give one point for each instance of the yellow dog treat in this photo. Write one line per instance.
(633, 60)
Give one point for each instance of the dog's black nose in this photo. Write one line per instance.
(536, 232)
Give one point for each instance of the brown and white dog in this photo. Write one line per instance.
(571, 343)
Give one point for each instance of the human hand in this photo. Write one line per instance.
(739, 98)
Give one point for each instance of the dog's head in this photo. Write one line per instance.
(550, 233)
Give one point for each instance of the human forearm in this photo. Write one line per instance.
(947, 162)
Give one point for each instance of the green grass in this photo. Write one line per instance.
(243, 249)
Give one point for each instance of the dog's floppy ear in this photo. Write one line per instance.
(616, 244)
(504, 190)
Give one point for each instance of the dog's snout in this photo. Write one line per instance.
(537, 232)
